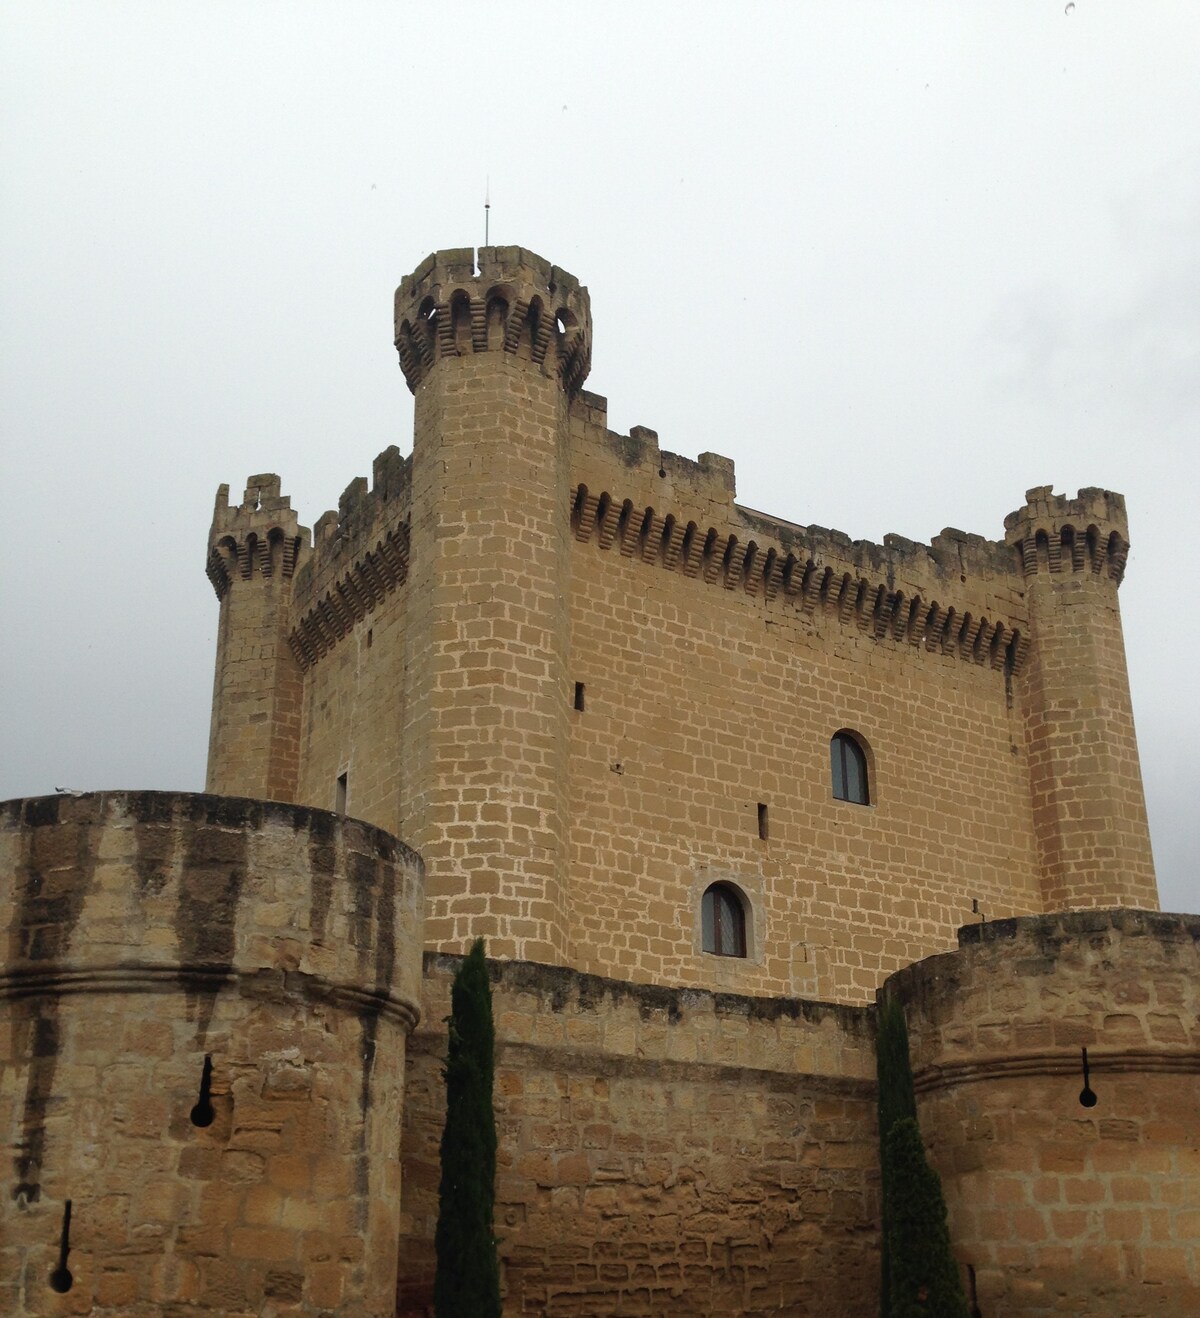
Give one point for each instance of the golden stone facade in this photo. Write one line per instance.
(588, 688)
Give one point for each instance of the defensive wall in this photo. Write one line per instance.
(586, 684)
(663, 1150)
(678, 1151)
(204, 1004)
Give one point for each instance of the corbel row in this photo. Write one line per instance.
(1067, 550)
(351, 598)
(230, 557)
(716, 558)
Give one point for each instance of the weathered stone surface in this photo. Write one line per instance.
(146, 933)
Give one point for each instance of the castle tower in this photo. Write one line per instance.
(1086, 784)
(205, 1003)
(493, 359)
(253, 551)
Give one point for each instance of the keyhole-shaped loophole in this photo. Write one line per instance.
(61, 1279)
(202, 1113)
(1086, 1097)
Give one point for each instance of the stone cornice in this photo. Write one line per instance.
(803, 578)
(147, 977)
(1004, 1066)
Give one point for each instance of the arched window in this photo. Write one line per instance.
(723, 921)
(849, 764)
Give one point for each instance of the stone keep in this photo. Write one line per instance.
(587, 685)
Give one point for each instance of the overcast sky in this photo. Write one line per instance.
(901, 261)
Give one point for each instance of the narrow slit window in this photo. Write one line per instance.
(762, 820)
(343, 786)
(579, 696)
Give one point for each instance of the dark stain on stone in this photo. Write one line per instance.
(210, 888)
(322, 861)
(385, 923)
(155, 848)
(54, 875)
(373, 888)
(362, 1160)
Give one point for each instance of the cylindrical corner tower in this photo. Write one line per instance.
(1056, 1060)
(1085, 778)
(208, 1001)
(493, 358)
(253, 552)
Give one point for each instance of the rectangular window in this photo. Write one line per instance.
(579, 696)
(343, 784)
(762, 820)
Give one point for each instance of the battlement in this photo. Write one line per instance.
(360, 555)
(517, 303)
(260, 535)
(1056, 534)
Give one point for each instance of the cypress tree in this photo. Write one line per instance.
(468, 1276)
(924, 1278)
(919, 1272)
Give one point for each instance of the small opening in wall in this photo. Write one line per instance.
(61, 1279)
(579, 696)
(1087, 1095)
(973, 1293)
(762, 820)
(343, 787)
(202, 1112)
(370, 636)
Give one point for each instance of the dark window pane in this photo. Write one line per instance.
(723, 922)
(849, 770)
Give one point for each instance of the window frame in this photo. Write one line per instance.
(722, 904)
(846, 745)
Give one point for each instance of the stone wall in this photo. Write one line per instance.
(661, 1152)
(1059, 1206)
(203, 1011)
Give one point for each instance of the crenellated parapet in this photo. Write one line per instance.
(517, 303)
(1055, 534)
(260, 536)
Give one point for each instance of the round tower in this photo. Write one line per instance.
(493, 357)
(207, 1002)
(1088, 807)
(253, 551)
(1056, 1059)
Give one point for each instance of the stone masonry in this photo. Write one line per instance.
(167, 951)
(589, 688)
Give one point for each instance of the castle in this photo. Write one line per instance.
(707, 781)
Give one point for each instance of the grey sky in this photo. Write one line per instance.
(900, 261)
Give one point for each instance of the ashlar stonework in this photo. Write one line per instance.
(586, 686)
